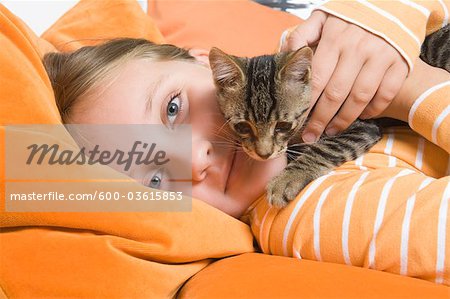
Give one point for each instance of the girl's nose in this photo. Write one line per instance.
(201, 159)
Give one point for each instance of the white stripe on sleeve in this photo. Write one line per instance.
(406, 228)
(419, 156)
(438, 122)
(380, 213)
(414, 5)
(261, 233)
(347, 216)
(442, 233)
(359, 163)
(316, 225)
(389, 143)
(391, 18)
(421, 98)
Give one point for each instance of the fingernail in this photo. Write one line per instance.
(309, 138)
(283, 39)
(331, 131)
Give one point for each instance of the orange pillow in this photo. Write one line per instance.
(26, 95)
(91, 22)
(92, 255)
(239, 27)
(268, 276)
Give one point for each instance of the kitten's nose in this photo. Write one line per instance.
(201, 159)
(264, 147)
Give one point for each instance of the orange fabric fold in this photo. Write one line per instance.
(92, 22)
(239, 27)
(264, 276)
(103, 255)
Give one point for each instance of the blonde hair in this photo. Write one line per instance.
(74, 74)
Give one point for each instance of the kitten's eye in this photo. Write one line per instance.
(243, 128)
(283, 127)
(173, 107)
(156, 180)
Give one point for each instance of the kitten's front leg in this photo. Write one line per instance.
(317, 159)
(287, 185)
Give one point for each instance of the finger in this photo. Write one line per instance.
(326, 57)
(323, 65)
(388, 89)
(335, 93)
(305, 34)
(362, 92)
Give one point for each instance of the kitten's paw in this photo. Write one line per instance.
(285, 187)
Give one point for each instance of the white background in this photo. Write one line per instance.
(41, 14)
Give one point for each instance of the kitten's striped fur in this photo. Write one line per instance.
(265, 100)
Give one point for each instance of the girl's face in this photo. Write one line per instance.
(180, 92)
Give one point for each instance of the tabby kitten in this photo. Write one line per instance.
(265, 101)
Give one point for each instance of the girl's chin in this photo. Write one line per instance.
(249, 178)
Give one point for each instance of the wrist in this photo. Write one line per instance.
(422, 78)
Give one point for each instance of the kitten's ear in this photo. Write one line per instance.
(297, 65)
(226, 69)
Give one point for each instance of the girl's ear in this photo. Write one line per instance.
(201, 55)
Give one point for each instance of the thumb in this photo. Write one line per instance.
(305, 34)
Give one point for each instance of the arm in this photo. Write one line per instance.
(403, 24)
(424, 102)
(356, 71)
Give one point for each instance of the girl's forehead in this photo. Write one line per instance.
(156, 68)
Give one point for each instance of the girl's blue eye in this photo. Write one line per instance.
(155, 181)
(172, 109)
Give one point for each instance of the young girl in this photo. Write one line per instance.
(128, 81)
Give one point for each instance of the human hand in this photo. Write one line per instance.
(354, 73)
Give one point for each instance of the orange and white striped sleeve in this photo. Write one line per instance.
(430, 115)
(390, 219)
(403, 23)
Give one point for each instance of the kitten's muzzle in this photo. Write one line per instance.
(255, 156)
